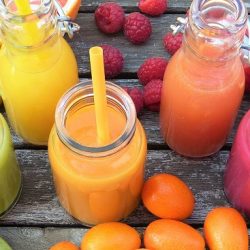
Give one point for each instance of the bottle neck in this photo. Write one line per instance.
(215, 29)
(21, 30)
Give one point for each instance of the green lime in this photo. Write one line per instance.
(4, 245)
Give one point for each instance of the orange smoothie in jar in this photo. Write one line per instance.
(97, 183)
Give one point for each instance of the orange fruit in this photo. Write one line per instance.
(166, 234)
(225, 229)
(111, 236)
(64, 245)
(168, 197)
(70, 7)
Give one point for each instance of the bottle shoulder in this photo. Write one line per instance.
(54, 54)
(187, 69)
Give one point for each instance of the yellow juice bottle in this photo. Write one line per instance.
(36, 67)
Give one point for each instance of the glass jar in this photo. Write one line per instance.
(237, 172)
(94, 183)
(10, 175)
(36, 67)
(204, 81)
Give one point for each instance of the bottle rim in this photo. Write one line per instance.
(116, 96)
(224, 32)
(42, 8)
(234, 26)
(8, 18)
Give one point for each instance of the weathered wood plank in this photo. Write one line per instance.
(174, 6)
(39, 238)
(38, 204)
(150, 120)
(42, 238)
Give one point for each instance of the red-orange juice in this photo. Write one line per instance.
(97, 183)
(204, 80)
(199, 105)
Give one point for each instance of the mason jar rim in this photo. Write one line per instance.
(82, 91)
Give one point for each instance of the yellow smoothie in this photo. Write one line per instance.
(30, 98)
(36, 68)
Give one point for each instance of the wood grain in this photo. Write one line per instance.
(174, 6)
(150, 121)
(39, 238)
(38, 205)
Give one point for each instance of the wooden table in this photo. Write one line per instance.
(38, 221)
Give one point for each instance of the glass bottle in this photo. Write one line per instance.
(204, 81)
(97, 184)
(36, 67)
(10, 175)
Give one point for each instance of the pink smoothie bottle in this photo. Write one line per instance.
(237, 172)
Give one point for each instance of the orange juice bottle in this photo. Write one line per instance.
(204, 80)
(97, 183)
(36, 67)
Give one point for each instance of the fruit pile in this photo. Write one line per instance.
(110, 19)
(171, 200)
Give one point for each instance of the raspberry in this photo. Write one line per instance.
(137, 28)
(137, 97)
(113, 61)
(153, 7)
(152, 95)
(172, 42)
(109, 17)
(152, 68)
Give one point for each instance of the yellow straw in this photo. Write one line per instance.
(23, 7)
(31, 35)
(100, 99)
